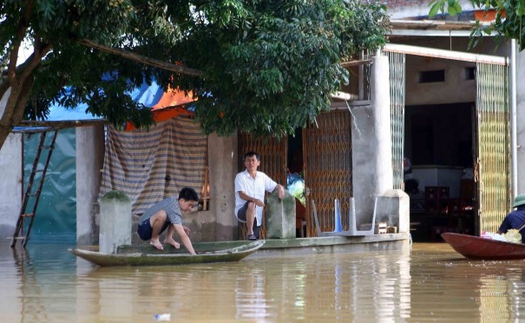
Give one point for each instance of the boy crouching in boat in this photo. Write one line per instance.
(168, 214)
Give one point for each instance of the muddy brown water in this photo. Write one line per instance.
(429, 283)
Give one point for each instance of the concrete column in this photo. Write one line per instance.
(371, 143)
(393, 207)
(89, 162)
(222, 161)
(280, 216)
(115, 221)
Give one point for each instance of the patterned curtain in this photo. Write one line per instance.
(150, 165)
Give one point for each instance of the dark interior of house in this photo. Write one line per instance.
(439, 165)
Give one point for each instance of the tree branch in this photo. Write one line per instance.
(142, 59)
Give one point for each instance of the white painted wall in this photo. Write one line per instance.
(10, 184)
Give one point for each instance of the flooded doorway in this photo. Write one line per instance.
(441, 77)
(439, 176)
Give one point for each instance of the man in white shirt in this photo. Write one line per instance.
(250, 188)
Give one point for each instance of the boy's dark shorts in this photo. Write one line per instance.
(145, 230)
(241, 216)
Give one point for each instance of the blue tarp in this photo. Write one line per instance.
(148, 95)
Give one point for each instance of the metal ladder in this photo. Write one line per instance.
(29, 212)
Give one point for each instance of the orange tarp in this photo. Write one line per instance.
(173, 98)
(170, 105)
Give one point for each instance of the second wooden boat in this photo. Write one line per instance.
(474, 247)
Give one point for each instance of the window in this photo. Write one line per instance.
(432, 76)
(470, 73)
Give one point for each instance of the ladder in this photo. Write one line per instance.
(29, 210)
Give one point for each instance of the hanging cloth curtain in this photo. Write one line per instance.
(150, 165)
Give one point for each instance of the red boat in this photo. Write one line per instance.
(474, 247)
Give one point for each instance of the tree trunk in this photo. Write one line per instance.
(16, 99)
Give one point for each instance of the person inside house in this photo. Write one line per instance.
(516, 218)
(250, 189)
(167, 214)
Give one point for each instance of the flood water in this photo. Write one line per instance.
(429, 283)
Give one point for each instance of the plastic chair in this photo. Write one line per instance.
(352, 230)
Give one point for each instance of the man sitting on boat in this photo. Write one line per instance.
(167, 214)
(516, 218)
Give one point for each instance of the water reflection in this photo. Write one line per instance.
(430, 283)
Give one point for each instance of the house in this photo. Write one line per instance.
(348, 147)
(462, 120)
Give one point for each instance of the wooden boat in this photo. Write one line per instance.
(207, 252)
(474, 247)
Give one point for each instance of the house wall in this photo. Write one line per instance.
(456, 88)
(10, 184)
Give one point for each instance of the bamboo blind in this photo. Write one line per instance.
(397, 115)
(492, 106)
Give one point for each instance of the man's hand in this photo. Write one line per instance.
(187, 230)
(281, 191)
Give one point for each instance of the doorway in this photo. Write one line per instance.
(439, 173)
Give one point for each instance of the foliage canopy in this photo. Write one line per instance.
(262, 66)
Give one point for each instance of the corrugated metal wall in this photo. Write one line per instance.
(327, 151)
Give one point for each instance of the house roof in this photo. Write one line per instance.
(398, 24)
(430, 28)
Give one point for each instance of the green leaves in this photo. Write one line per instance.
(436, 6)
(268, 66)
(452, 6)
(277, 74)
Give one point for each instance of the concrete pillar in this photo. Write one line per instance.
(89, 162)
(280, 216)
(115, 221)
(222, 161)
(11, 165)
(371, 142)
(393, 207)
